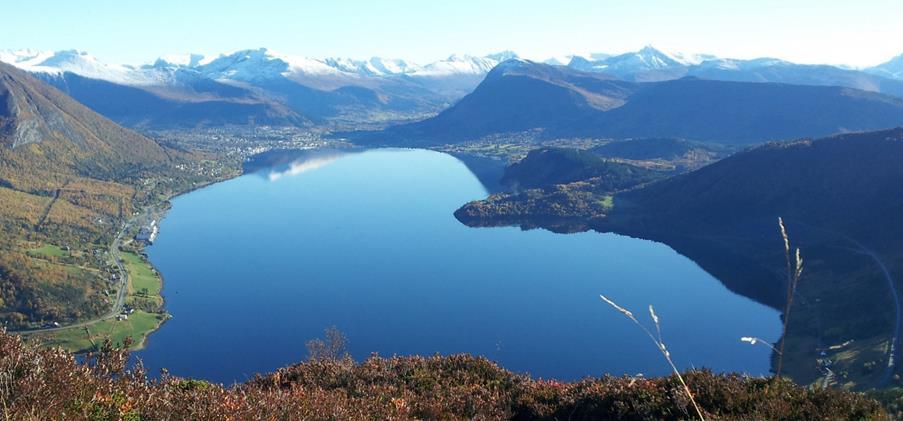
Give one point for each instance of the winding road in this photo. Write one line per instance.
(895, 294)
(122, 290)
(895, 338)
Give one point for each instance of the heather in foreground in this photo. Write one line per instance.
(38, 383)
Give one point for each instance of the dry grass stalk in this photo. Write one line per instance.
(794, 271)
(660, 344)
(752, 340)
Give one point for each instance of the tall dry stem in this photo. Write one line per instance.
(794, 271)
(659, 343)
(752, 340)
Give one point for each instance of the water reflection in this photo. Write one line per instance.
(300, 166)
(845, 312)
(368, 242)
(278, 164)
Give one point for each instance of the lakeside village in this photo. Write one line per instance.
(148, 233)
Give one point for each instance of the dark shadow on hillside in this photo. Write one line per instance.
(487, 169)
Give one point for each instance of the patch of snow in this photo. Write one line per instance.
(24, 58)
(180, 60)
(79, 63)
(393, 66)
(244, 66)
(893, 68)
(458, 65)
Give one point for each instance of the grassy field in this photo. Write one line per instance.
(48, 250)
(143, 279)
(607, 202)
(139, 324)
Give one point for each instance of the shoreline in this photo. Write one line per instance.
(162, 213)
(162, 210)
(141, 340)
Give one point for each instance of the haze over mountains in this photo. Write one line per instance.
(652, 65)
(264, 87)
(256, 87)
(560, 102)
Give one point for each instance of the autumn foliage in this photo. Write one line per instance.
(38, 383)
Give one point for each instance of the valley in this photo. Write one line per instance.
(533, 179)
(475, 204)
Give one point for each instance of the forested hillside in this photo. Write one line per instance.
(68, 179)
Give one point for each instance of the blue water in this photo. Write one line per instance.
(256, 266)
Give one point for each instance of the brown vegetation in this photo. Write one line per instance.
(37, 383)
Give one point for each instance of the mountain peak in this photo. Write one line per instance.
(648, 49)
(502, 56)
(83, 64)
(457, 64)
(245, 65)
(654, 58)
(513, 65)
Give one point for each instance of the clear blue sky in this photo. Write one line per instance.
(863, 32)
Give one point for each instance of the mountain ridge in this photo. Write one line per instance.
(69, 178)
(265, 87)
(559, 102)
(69, 135)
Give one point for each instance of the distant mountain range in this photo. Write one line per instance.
(246, 65)
(264, 87)
(652, 65)
(559, 102)
(257, 87)
(892, 69)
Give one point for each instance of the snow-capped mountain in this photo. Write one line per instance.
(256, 85)
(448, 79)
(82, 64)
(265, 62)
(262, 64)
(178, 60)
(892, 69)
(458, 65)
(375, 66)
(262, 83)
(712, 62)
(646, 64)
(564, 60)
(444, 81)
(650, 64)
(26, 57)
(392, 66)
(246, 65)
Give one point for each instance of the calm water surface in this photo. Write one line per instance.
(256, 266)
